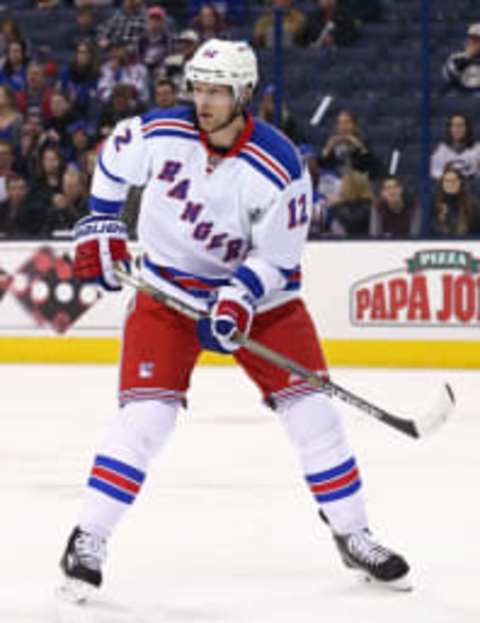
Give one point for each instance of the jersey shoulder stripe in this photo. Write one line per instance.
(274, 146)
(177, 122)
(179, 113)
(263, 168)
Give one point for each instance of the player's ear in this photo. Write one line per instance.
(246, 95)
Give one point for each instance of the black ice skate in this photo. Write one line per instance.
(378, 563)
(81, 564)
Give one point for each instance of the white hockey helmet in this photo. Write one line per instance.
(227, 63)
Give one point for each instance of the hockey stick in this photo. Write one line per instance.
(419, 427)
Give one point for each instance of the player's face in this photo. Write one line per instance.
(214, 105)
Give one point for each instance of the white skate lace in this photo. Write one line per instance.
(91, 550)
(366, 549)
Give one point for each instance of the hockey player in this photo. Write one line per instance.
(222, 225)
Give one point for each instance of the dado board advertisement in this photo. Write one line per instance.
(374, 303)
(396, 303)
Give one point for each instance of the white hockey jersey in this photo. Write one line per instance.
(204, 217)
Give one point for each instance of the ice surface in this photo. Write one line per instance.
(225, 530)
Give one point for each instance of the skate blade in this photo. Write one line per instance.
(402, 585)
(75, 591)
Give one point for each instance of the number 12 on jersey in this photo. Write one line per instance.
(297, 212)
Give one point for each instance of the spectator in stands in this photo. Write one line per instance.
(462, 69)
(10, 31)
(13, 72)
(36, 96)
(165, 93)
(7, 159)
(57, 125)
(350, 212)
(79, 80)
(347, 148)
(69, 205)
(330, 25)
(85, 28)
(88, 161)
(231, 11)
(455, 210)
(10, 118)
(266, 111)
(119, 69)
(157, 42)
(294, 24)
(32, 130)
(48, 181)
(122, 104)
(185, 46)
(458, 150)
(396, 213)
(209, 24)
(126, 26)
(17, 214)
(47, 4)
(80, 142)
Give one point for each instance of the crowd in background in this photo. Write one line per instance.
(119, 59)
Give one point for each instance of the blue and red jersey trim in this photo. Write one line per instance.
(177, 122)
(203, 287)
(252, 281)
(196, 285)
(170, 127)
(273, 155)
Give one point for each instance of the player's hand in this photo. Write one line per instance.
(100, 241)
(232, 311)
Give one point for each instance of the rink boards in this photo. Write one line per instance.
(375, 303)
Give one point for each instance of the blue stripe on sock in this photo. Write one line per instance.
(341, 493)
(343, 468)
(120, 468)
(111, 491)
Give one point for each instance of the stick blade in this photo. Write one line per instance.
(439, 413)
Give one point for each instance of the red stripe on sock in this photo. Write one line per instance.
(337, 483)
(115, 479)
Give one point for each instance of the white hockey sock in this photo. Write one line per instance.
(132, 439)
(314, 426)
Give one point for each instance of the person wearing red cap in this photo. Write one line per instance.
(156, 13)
